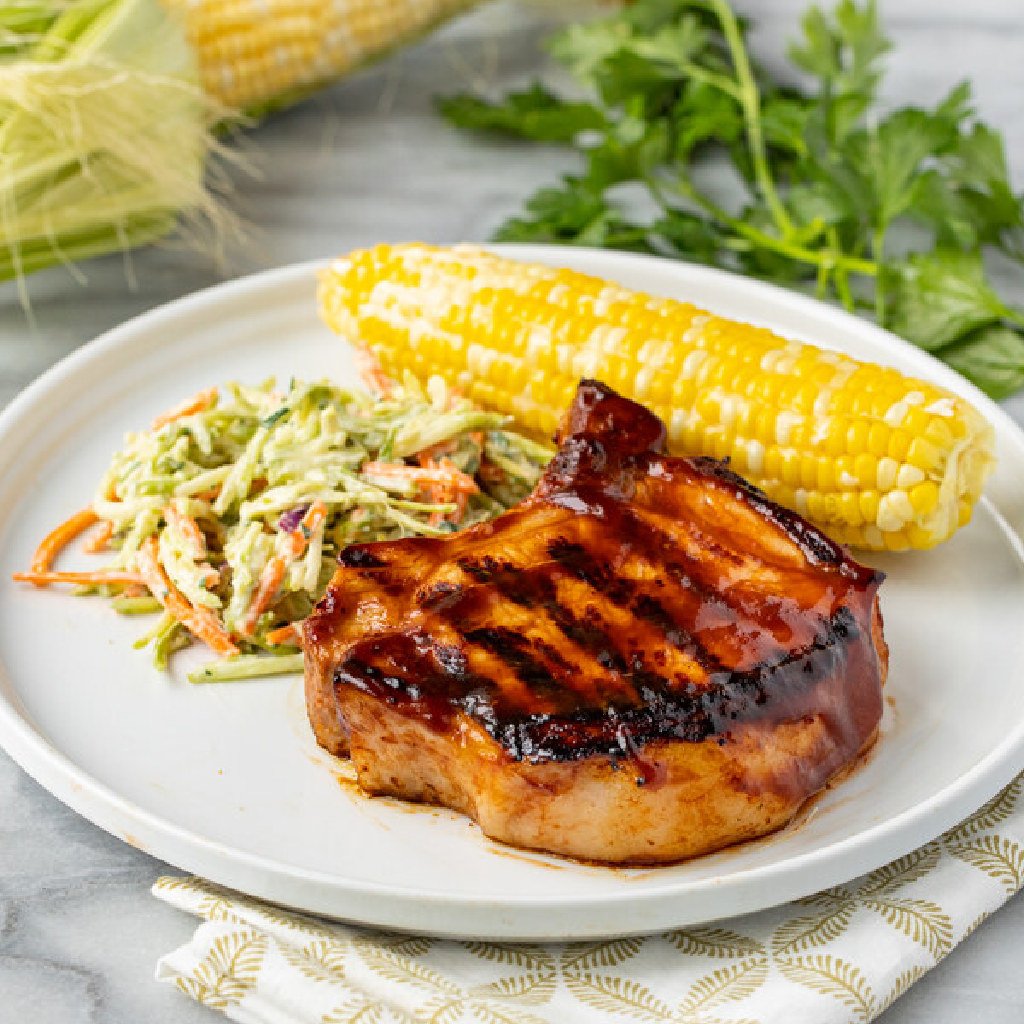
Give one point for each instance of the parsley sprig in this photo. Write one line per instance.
(896, 212)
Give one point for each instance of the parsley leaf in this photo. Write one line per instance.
(687, 235)
(575, 214)
(843, 53)
(702, 115)
(896, 149)
(978, 167)
(992, 358)
(535, 113)
(623, 59)
(941, 297)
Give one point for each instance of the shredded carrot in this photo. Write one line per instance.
(97, 577)
(315, 515)
(434, 493)
(436, 451)
(443, 473)
(201, 622)
(56, 540)
(100, 539)
(197, 403)
(266, 591)
(292, 546)
(442, 482)
(188, 528)
(284, 635)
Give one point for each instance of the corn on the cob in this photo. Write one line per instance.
(106, 107)
(876, 459)
(257, 53)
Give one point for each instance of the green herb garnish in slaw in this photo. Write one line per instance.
(226, 516)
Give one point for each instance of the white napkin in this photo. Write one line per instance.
(840, 956)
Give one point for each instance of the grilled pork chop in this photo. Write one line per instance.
(643, 661)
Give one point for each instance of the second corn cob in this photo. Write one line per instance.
(876, 459)
(254, 54)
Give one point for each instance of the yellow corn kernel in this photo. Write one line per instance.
(878, 439)
(896, 540)
(826, 474)
(869, 501)
(857, 436)
(888, 474)
(924, 497)
(849, 508)
(822, 506)
(939, 432)
(865, 469)
(894, 512)
(918, 537)
(899, 445)
(923, 454)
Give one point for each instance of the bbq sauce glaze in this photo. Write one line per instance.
(634, 597)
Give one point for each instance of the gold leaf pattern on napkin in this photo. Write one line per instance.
(230, 968)
(840, 956)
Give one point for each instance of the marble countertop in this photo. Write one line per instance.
(368, 161)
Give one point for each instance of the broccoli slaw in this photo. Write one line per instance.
(226, 516)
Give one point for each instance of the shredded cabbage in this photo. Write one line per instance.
(251, 495)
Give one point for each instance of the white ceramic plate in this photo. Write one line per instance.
(225, 780)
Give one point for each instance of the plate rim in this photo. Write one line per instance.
(375, 903)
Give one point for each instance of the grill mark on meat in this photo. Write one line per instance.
(592, 634)
(587, 634)
(436, 686)
(436, 681)
(531, 649)
(536, 588)
(539, 665)
(627, 593)
(440, 596)
(359, 556)
(695, 579)
(764, 621)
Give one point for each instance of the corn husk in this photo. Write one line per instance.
(110, 110)
(104, 134)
